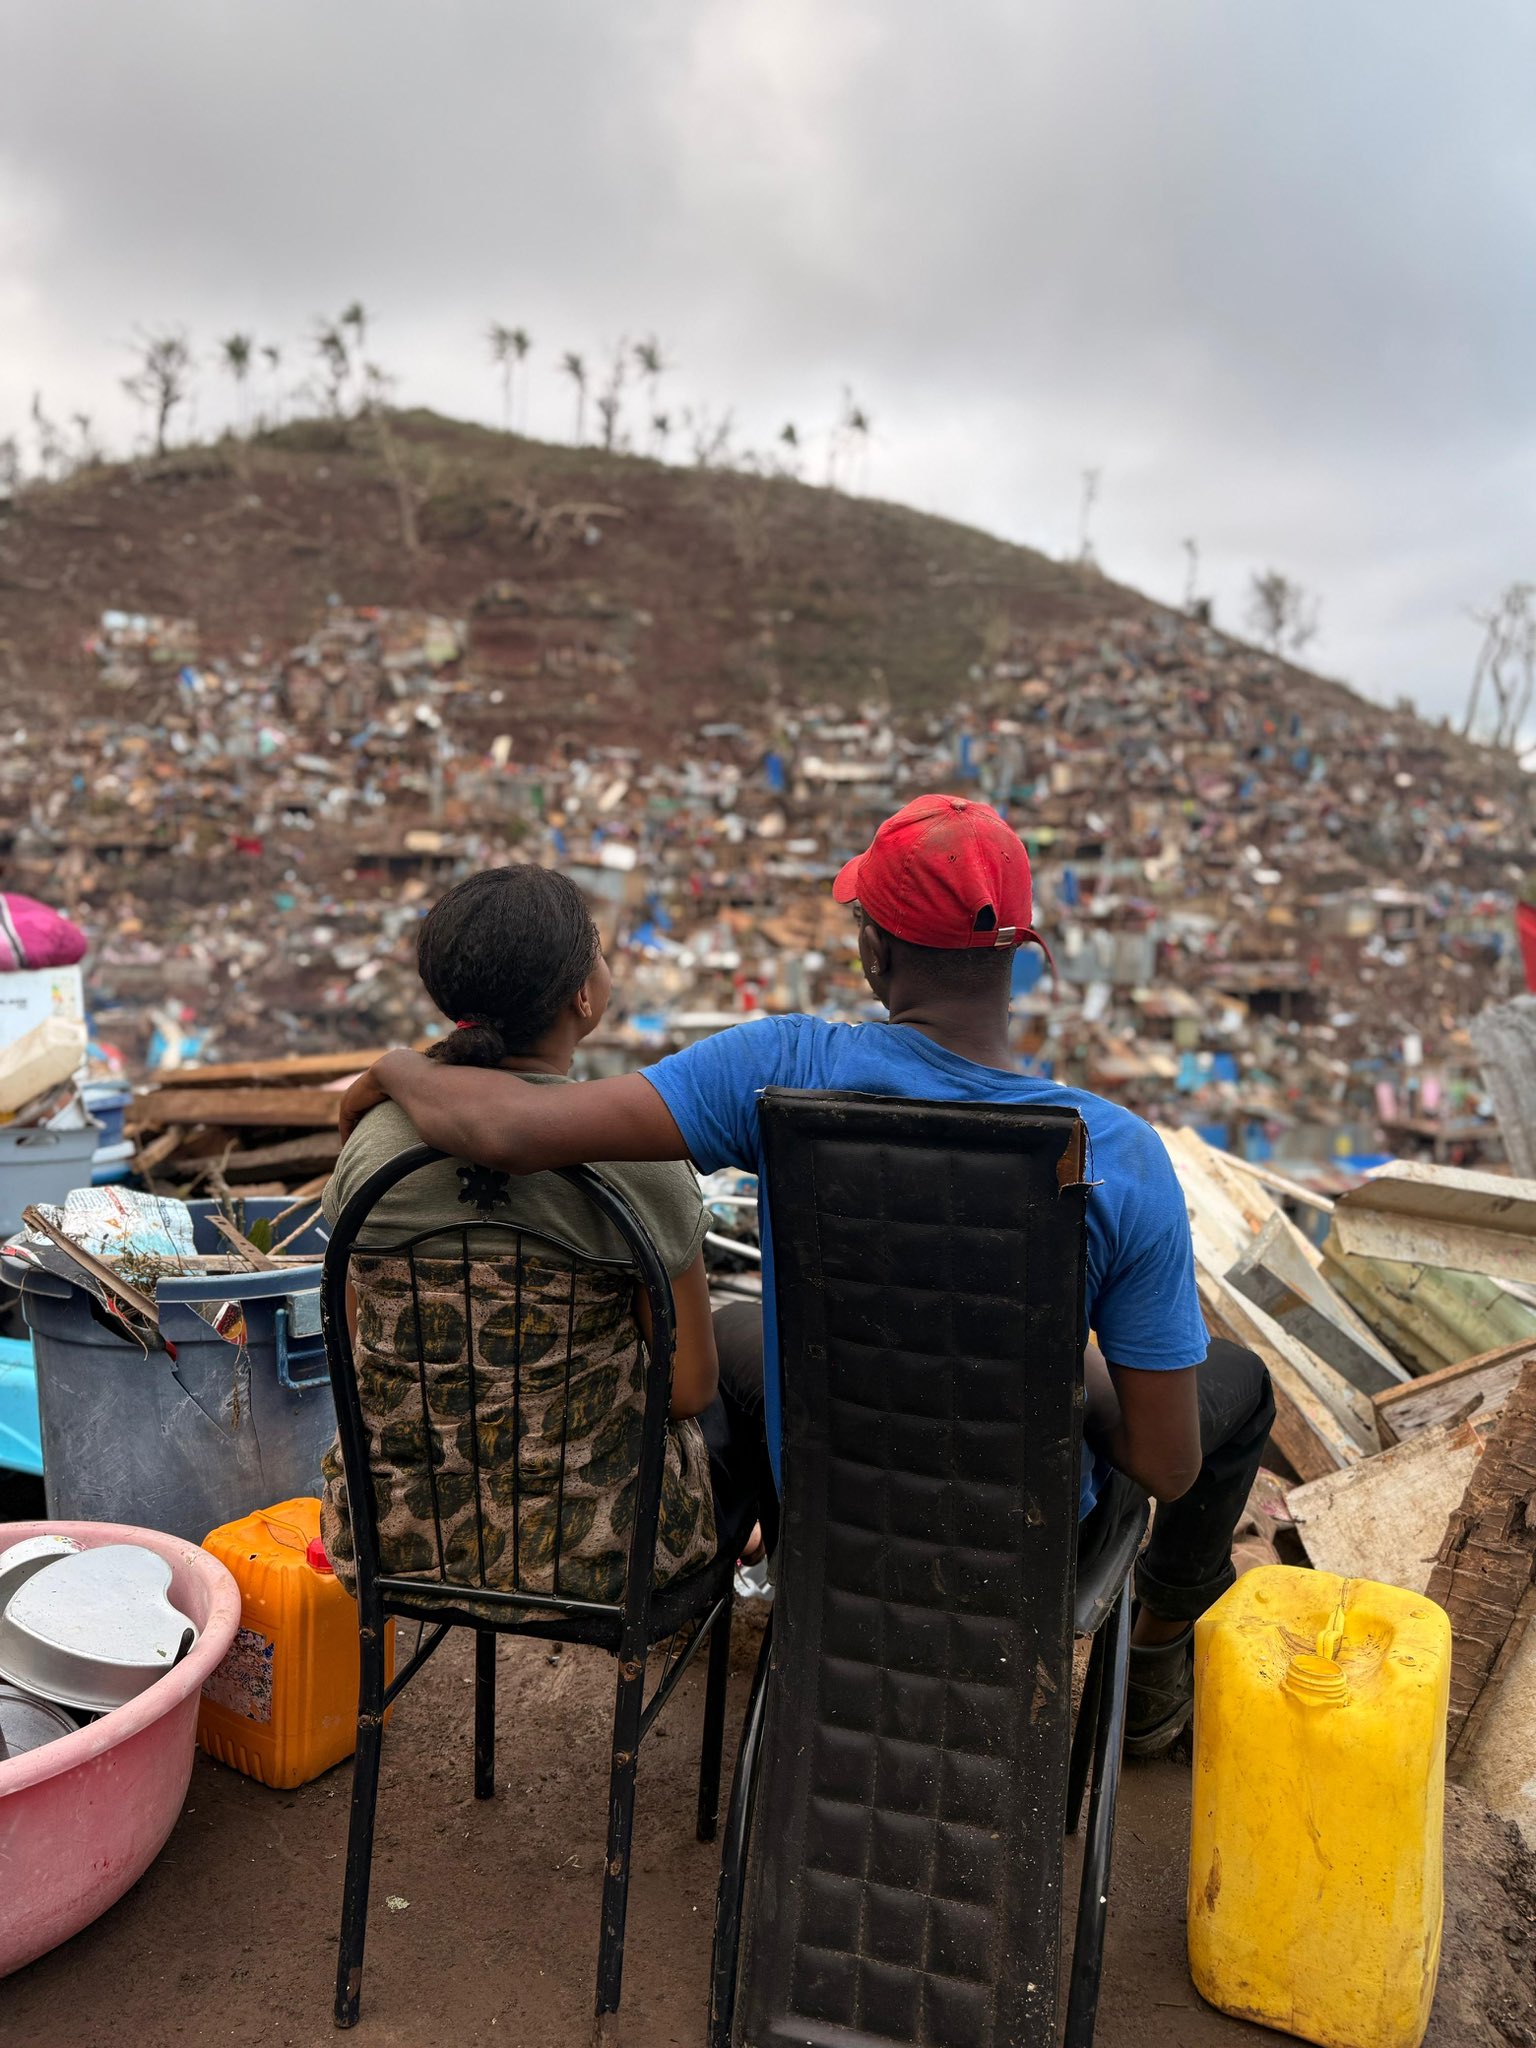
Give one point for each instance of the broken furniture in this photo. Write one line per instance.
(536, 1336)
(87, 1814)
(893, 1858)
(217, 1405)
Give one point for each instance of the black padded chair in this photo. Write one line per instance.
(438, 1599)
(893, 1856)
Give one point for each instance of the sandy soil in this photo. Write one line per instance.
(484, 1919)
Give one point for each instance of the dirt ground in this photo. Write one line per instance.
(484, 1919)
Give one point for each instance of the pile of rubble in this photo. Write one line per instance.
(1402, 1351)
(1272, 905)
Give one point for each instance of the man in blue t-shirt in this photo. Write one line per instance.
(942, 899)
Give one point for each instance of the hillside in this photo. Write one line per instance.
(380, 653)
(708, 588)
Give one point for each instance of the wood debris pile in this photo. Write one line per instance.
(259, 1127)
(1402, 1350)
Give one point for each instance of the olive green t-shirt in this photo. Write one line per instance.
(664, 1194)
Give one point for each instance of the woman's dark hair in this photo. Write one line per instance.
(502, 954)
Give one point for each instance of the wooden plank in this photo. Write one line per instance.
(315, 1152)
(1487, 1559)
(1452, 1217)
(1326, 1443)
(237, 1108)
(1282, 1184)
(1277, 1275)
(308, 1066)
(1385, 1517)
(1483, 1382)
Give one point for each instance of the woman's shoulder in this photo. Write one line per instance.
(383, 1134)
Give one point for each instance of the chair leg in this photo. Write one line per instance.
(485, 1713)
(1093, 1897)
(365, 1797)
(733, 1858)
(1082, 1734)
(628, 1702)
(713, 1741)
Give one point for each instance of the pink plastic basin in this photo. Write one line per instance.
(82, 1819)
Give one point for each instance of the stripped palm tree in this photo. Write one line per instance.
(504, 356)
(238, 351)
(521, 343)
(575, 368)
(652, 367)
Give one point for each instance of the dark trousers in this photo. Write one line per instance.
(1187, 1562)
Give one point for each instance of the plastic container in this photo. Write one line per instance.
(1315, 1895)
(282, 1707)
(188, 1444)
(21, 1443)
(38, 1165)
(108, 1103)
(82, 1818)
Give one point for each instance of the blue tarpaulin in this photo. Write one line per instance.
(21, 1441)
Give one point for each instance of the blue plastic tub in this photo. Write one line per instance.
(186, 1444)
(21, 1443)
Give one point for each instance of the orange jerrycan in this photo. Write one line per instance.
(1315, 1898)
(282, 1707)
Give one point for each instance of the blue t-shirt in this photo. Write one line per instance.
(1140, 1291)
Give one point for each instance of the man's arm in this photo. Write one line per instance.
(496, 1119)
(1147, 1424)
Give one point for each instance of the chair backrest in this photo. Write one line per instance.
(905, 1861)
(487, 1323)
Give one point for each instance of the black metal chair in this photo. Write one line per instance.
(440, 1600)
(893, 1854)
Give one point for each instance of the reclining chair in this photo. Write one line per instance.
(892, 1865)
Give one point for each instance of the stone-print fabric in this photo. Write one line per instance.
(518, 1442)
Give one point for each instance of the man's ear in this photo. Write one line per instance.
(874, 951)
(581, 1003)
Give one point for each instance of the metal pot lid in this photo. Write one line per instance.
(28, 1721)
(94, 1630)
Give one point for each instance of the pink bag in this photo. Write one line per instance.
(32, 935)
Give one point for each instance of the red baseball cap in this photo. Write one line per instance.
(944, 872)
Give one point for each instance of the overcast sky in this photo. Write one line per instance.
(1268, 265)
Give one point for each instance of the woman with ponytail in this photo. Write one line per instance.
(511, 956)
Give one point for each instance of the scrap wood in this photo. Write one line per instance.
(1385, 1517)
(1305, 1428)
(1279, 1274)
(1444, 1216)
(1428, 1315)
(1350, 1410)
(308, 1066)
(104, 1275)
(1475, 1385)
(256, 1259)
(1486, 1563)
(149, 1156)
(240, 1108)
(313, 1150)
(1281, 1184)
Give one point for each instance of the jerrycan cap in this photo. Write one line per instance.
(1318, 1680)
(317, 1560)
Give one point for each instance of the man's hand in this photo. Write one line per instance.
(364, 1094)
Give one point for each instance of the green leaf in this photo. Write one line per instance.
(260, 1233)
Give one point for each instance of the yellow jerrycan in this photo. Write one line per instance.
(1315, 1879)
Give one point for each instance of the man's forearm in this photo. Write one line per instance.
(497, 1119)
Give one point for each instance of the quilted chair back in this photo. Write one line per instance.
(905, 1862)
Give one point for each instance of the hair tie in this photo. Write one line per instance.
(467, 1024)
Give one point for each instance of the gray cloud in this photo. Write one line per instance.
(1268, 267)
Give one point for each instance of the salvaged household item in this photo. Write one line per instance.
(224, 1406)
(1315, 1865)
(82, 1818)
(94, 1629)
(27, 1721)
(282, 1707)
(41, 1165)
(539, 1323)
(893, 1858)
